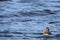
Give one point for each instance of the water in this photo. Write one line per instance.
(29, 18)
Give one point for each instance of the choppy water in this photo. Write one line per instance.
(30, 18)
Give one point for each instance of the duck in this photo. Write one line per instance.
(47, 31)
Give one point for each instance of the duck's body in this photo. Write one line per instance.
(46, 33)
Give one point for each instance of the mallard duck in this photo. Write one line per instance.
(47, 32)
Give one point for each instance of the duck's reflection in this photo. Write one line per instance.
(45, 38)
(48, 38)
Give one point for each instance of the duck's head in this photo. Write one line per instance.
(47, 29)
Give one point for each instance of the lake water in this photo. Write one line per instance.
(29, 18)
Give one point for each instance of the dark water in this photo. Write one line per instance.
(27, 19)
